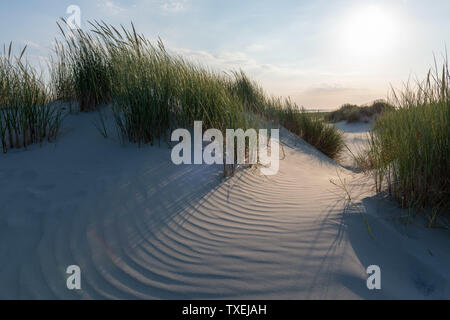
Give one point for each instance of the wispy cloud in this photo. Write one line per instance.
(234, 60)
(110, 6)
(169, 6)
(35, 45)
(326, 88)
(221, 61)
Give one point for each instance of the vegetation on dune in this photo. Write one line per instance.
(153, 92)
(312, 129)
(61, 79)
(354, 113)
(82, 70)
(26, 112)
(409, 148)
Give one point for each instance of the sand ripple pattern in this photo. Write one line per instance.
(140, 227)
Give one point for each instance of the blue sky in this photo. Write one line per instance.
(321, 53)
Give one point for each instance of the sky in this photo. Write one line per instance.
(321, 53)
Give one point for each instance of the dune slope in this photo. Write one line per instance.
(141, 227)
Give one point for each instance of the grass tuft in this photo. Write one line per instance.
(26, 112)
(153, 92)
(410, 146)
(353, 113)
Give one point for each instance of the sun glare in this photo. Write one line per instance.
(368, 31)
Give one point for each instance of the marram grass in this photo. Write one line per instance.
(354, 113)
(312, 129)
(153, 92)
(26, 112)
(410, 147)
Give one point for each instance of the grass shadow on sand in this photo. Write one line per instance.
(413, 259)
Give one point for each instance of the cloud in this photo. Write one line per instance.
(110, 6)
(170, 6)
(35, 45)
(292, 80)
(235, 60)
(222, 61)
(331, 95)
(327, 89)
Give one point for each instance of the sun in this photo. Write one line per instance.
(368, 32)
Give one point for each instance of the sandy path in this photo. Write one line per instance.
(355, 137)
(141, 227)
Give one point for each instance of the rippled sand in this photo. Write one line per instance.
(140, 227)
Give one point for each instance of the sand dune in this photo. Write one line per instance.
(140, 227)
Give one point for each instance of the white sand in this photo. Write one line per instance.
(141, 227)
(355, 137)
